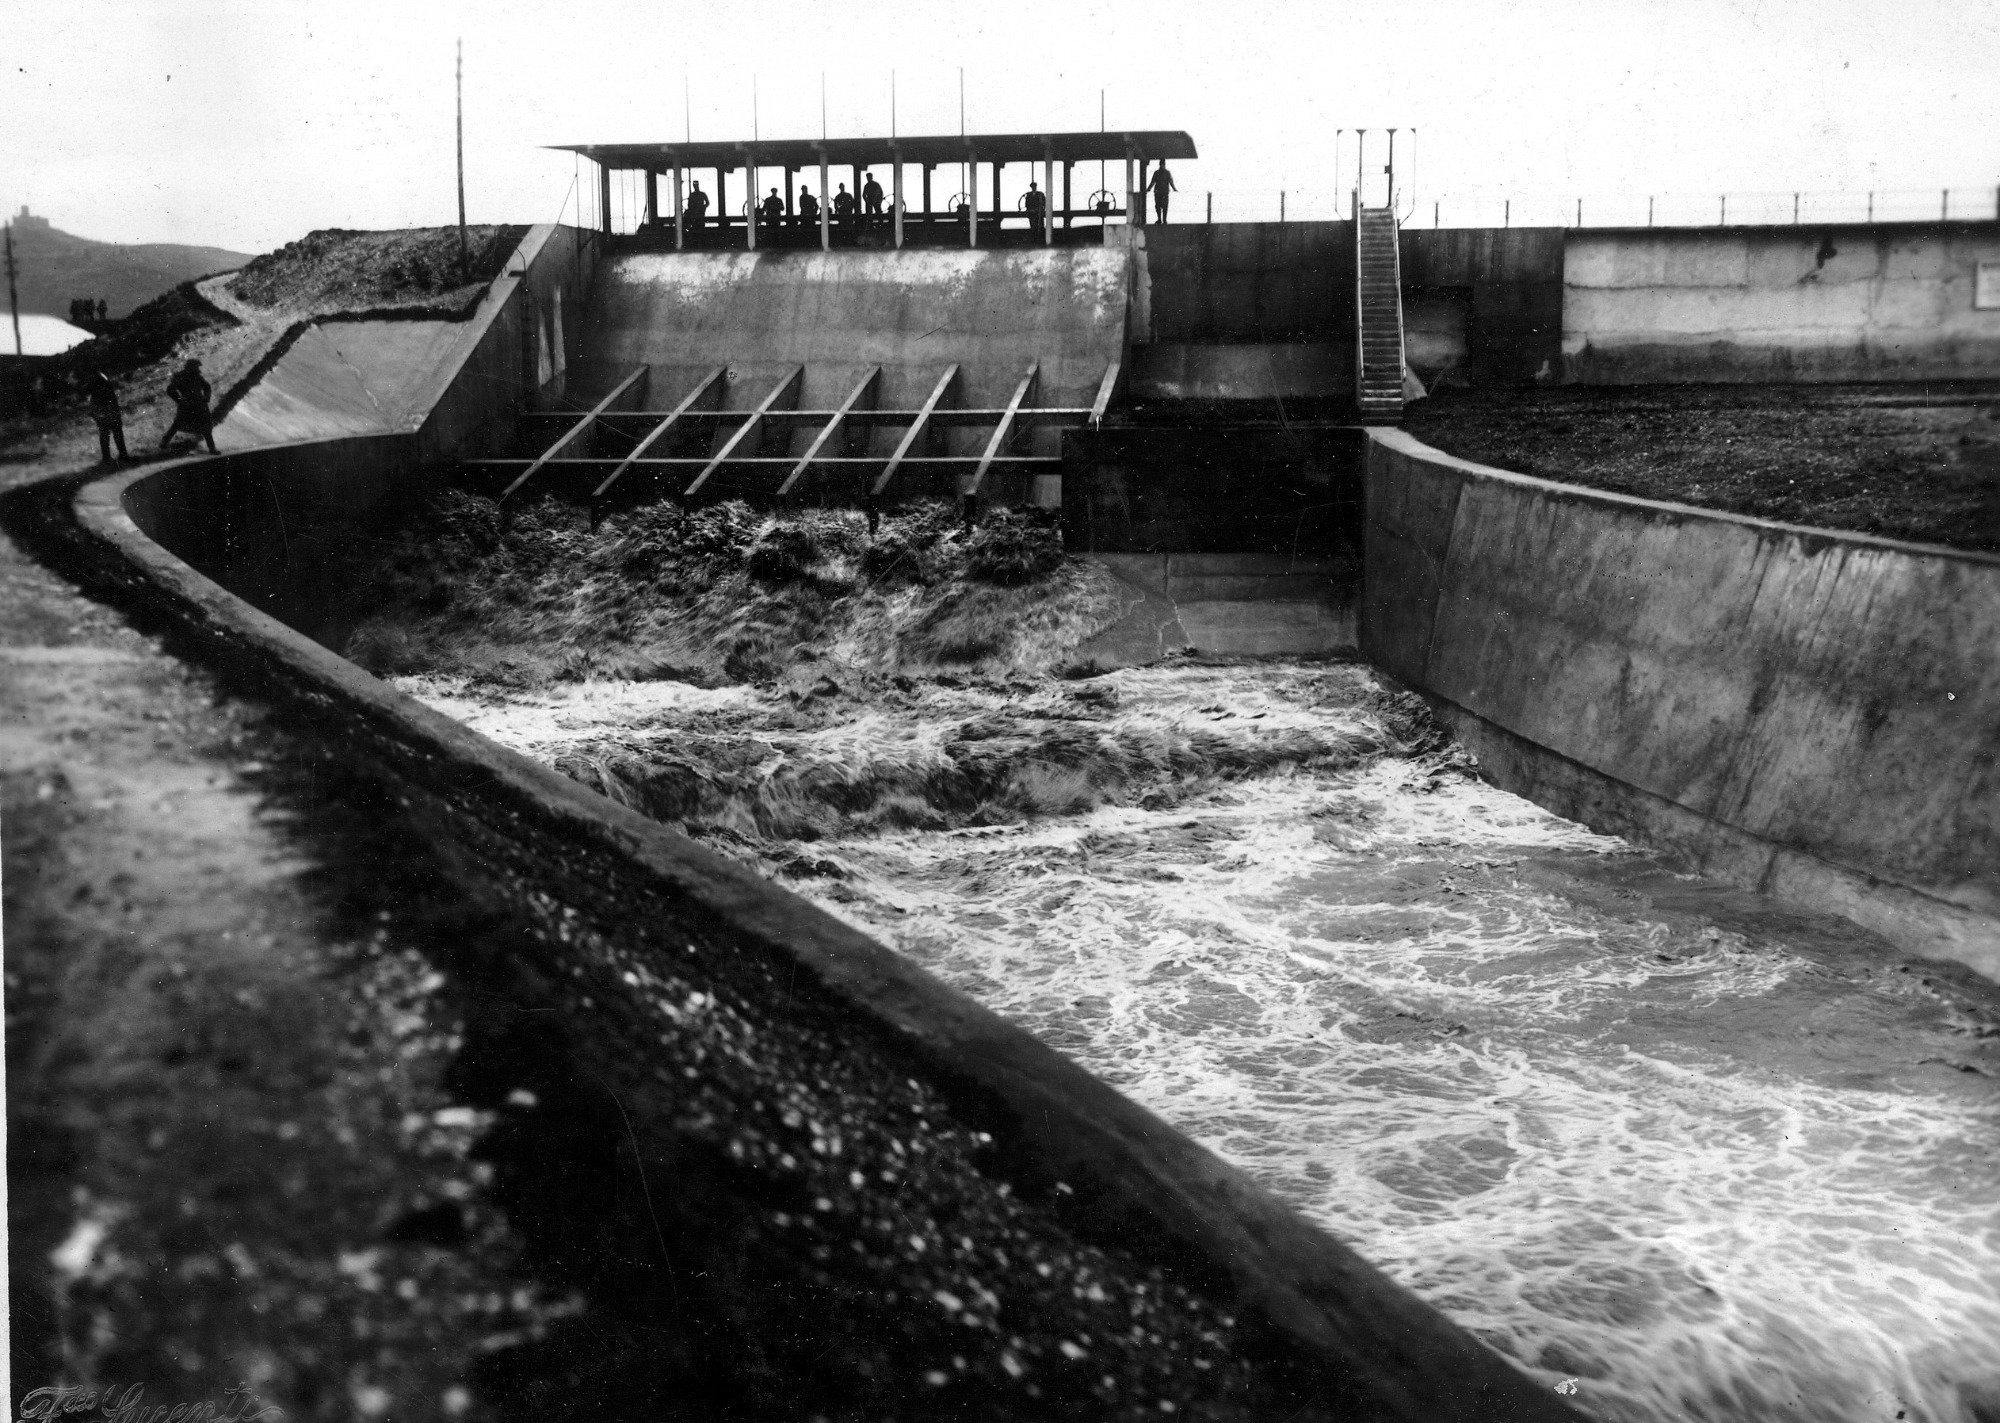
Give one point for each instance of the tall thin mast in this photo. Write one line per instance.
(464, 252)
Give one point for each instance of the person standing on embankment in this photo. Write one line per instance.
(189, 393)
(102, 394)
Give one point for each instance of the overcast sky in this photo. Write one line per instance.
(247, 124)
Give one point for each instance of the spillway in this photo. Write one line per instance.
(1695, 1155)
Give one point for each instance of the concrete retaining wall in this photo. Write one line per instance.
(1816, 714)
(1233, 282)
(1857, 302)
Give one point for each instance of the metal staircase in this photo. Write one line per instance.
(1378, 278)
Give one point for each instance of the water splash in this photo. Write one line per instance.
(1706, 1161)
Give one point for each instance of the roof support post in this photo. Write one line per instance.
(750, 202)
(927, 194)
(1145, 166)
(790, 210)
(825, 207)
(896, 198)
(1048, 199)
(972, 199)
(999, 212)
(652, 196)
(1068, 206)
(721, 198)
(1128, 190)
(680, 221)
(604, 199)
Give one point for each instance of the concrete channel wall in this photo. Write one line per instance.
(1815, 714)
(1844, 303)
(1154, 1190)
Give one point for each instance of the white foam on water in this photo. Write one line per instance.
(1601, 1136)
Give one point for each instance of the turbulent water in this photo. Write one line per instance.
(1658, 1142)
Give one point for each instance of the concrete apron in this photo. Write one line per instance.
(1225, 604)
(1157, 1192)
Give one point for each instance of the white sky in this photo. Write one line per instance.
(247, 124)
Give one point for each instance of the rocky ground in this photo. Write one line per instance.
(1906, 462)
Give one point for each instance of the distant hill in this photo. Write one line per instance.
(56, 267)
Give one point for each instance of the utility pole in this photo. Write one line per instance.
(464, 251)
(13, 302)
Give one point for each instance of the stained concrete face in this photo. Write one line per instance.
(1801, 698)
(1762, 304)
(914, 313)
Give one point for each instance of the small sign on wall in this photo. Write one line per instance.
(1986, 287)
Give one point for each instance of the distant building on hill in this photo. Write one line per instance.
(24, 218)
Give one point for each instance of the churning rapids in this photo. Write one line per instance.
(1658, 1141)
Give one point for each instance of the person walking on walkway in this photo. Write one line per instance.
(697, 206)
(102, 393)
(1162, 186)
(189, 393)
(1037, 203)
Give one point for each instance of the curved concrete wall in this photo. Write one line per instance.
(1152, 1190)
(1814, 713)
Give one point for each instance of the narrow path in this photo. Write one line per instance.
(224, 1071)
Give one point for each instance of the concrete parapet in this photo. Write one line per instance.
(1810, 712)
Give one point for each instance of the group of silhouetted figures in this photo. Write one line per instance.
(85, 312)
(849, 212)
(188, 390)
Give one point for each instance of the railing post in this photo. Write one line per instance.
(1944, 205)
(1211, 209)
(1795, 209)
(1649, 209)
(1579, 212)
(1722, 217)
(1281, 205)
(1437, 221)
(1871, 206)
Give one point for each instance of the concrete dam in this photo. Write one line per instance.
(1068, 843)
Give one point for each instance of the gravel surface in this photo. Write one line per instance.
(1908, 462)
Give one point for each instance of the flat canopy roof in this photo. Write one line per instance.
(915, 148)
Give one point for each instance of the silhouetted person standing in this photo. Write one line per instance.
(102, 311)
(1037, 204)
(808, 209)
(871, 196)
(1162, 186)
(189, 393)
(843, 205)
(772, 210)
(102, 394)
(697, 206)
